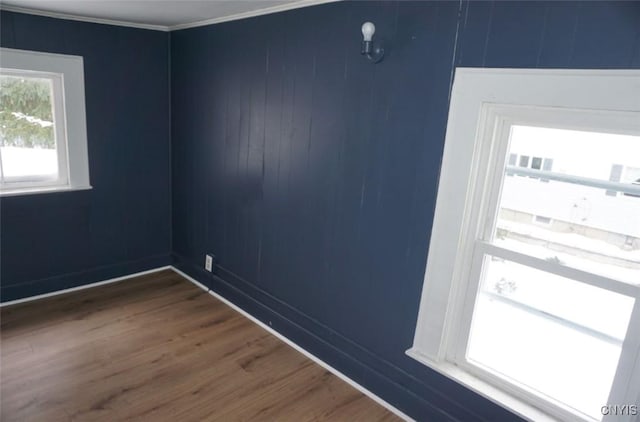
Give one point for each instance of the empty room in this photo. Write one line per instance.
(320, 210)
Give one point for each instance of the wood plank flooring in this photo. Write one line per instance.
(158, 348)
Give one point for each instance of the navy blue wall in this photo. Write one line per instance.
(59, 240)
(311, 174)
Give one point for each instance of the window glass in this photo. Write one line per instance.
(588, 229)
(536, 163)
(524, 161)
(518, 306)
(27, 129)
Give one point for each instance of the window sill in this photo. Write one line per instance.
(39, 190)
(486, 390)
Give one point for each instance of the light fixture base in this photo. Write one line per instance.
(375, 54)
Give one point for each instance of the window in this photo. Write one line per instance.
(537, 163)
(531, 289)
(43, 141)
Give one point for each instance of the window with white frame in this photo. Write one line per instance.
(43, 141)
(543, 319)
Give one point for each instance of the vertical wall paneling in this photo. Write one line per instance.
(312, 173)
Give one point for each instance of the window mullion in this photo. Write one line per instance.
(627, 188)
(561, 270)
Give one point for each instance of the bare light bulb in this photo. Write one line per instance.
(368, 29)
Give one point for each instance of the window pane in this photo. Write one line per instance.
(588, 228)
(523, 330)
(27, 136)
(536, 163)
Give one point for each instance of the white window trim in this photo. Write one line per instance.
(478, 97)
(68, 84)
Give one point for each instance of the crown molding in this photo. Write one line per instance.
(259, 12)
(238, 16)
(66, 16)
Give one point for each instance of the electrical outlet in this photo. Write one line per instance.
(208, 263)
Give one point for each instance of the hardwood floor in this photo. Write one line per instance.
(159, 348)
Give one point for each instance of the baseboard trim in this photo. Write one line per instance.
(84, 286)
(306, 353)
(238, 309)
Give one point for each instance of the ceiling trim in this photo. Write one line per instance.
(82, 18)
(265, 11)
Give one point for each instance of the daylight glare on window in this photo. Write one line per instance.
(27, 131)
(545, 332)
(538, 329)
(590, 228)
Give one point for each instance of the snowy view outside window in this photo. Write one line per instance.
(27, 133)
(583, 227)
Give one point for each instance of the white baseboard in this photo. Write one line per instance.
(84, 286)
(314, 358)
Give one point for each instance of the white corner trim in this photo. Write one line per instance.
(83, 287)
(80, 18)
(314, 358)
(259, 12)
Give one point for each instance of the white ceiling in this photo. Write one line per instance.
(156, 14)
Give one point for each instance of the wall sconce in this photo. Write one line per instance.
(373, 53)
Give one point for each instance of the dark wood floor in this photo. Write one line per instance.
(158, 348)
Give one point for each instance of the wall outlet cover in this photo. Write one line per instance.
(208, 263)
